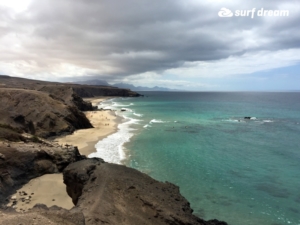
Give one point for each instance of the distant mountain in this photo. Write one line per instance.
(124, 85)
(93, 82)
(141, 88)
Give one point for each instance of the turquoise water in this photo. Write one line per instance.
(245, 172)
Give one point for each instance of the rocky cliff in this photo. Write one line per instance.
(46, 109)
(80, 90)
(114, 194)
(39, 113)
(20, 162)
(91, 91)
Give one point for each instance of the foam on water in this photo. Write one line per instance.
(147, 125)
(268, 121)
(137, 114)
(119, 105)
(115, 104)
(157, 121)
(231, 120)
(111, 148)
(259, 121)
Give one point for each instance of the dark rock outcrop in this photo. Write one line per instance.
(80, 104)
(91, 91)
(47, 108)
(38, 113)
(66, 94)
(114, 194)
(20, 162)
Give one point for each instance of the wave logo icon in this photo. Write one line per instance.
(224, 12)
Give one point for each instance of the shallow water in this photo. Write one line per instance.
(243, 171)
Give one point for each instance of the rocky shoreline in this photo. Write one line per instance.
(21, 162)
(126, 196)
(103, 193)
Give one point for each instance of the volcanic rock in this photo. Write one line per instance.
(37, 113)
(23, 162)
(115, 194)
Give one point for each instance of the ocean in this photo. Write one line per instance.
(242, 171)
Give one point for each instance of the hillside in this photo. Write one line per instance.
(46, 109)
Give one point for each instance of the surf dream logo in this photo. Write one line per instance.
(224, 12)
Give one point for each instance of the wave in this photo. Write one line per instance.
(138, 114)
(157, 121)
(120, 105)
(112, 104)
(154, 121)
(252, 118)
(234, 120)
(111, 148)
(133, 121)
(107, 107)
(268, 121)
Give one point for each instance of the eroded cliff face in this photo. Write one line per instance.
(20, 162)
(55, 88)
(47, 109)
(114, 194)
(91, 91)
(39, 113)
(67, 95)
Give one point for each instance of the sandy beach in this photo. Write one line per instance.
(50, 189)
(104, 122)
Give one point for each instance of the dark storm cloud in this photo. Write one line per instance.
(284, 34)
(136, 36)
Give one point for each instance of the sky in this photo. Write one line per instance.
(198, 45)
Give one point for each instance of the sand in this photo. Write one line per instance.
(50, 189)
(104, 123)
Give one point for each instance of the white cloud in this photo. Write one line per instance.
(16, 5)
(239, 65)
